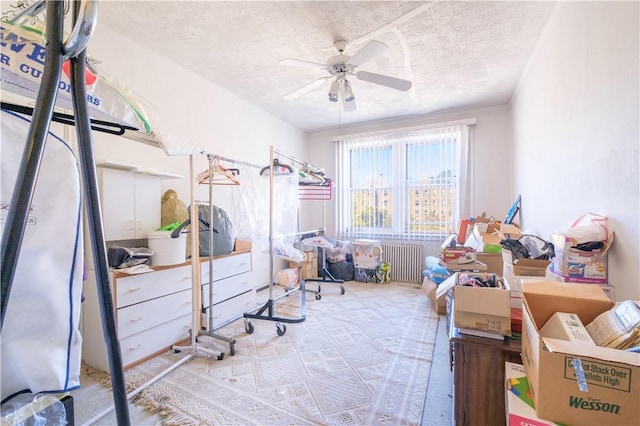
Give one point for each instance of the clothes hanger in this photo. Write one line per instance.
(317, 179)
(278, 169)
(219, 175)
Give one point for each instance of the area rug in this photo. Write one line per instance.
(361, 358)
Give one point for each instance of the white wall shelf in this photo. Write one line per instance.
(137, 169)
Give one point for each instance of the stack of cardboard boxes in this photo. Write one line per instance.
(515, 272)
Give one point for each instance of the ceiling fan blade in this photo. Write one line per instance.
(371, 50)
(349, 106)
(306, 88)
(384, 80)
(300, 63)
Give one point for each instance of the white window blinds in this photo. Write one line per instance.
(409, 184)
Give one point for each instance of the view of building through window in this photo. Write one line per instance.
(416, 176)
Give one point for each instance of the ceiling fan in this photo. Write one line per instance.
(341, 66)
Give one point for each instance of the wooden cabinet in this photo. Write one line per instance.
(153, 312)
(478, 369)
(233, 292)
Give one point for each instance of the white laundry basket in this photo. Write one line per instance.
(167, 250)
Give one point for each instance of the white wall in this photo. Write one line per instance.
(491, 150)
(576, 132)
(192, 110)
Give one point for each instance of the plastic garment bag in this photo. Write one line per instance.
(41, 342)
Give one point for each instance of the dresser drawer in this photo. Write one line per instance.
(134, 289)
(224, 267)
(154, 340)
(231, 308)
(227, 288)
(136, 318)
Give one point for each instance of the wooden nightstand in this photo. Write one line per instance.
(478, 376)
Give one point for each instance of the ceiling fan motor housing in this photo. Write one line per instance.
(338, 65)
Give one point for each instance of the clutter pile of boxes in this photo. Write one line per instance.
(580, 349)
(360, 260)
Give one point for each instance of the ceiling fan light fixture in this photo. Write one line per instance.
(347, 93)
(333, 91)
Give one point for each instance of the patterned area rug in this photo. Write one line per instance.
(358, 358)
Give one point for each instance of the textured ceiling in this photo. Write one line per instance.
(457, 54)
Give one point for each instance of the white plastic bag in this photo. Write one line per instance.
(587, 228)
(286, 277)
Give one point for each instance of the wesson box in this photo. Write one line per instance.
(479, 308)
(574, 382)
(518, 401)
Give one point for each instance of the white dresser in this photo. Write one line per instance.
(233, 292)
(154, 310)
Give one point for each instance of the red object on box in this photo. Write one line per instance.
(463, 231)
(449, 253)
(516, 320)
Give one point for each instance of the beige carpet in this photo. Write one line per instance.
(359, 358)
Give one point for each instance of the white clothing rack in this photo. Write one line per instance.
(195, 262)
(267, 310)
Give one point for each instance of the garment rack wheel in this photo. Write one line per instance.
(248, 326)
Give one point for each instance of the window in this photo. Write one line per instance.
(383, 177)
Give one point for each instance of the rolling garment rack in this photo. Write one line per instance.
(84, 19)
(267, 310)
(318, 189)
(227, 177)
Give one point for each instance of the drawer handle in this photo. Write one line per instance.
(135, 347)
(135, 289)
(135, 319)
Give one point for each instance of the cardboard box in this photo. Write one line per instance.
(515, 290)
(438, 305)
(479, 308)
(526, 267)
(493, 262)
(242, 245)
(566, 326)
(487, 241)
(578, 265)
(518, 400)
(308, 267)
(609, 290)
(571, 382)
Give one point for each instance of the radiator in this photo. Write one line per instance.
(406, 261)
